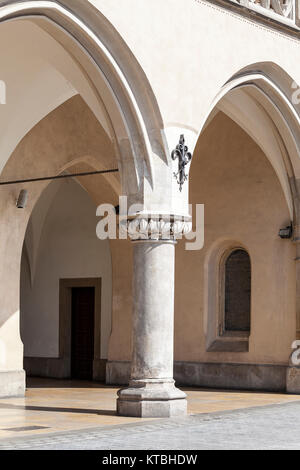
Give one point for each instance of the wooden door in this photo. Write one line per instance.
(82, 346)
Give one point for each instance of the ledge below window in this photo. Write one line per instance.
(230, 342)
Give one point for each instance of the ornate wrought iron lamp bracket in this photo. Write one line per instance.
(184, 157)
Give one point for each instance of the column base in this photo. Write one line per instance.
(12, 383)
(152, 399)
(293, 380)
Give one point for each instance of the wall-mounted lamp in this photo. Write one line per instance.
(286, 233)
(22, 199)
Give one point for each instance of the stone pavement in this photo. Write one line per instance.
(270, 427)
(82, 415)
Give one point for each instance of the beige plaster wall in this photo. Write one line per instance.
(243, 202)
(68, 138)
(68, 248)
(120, 341)
(194, 47)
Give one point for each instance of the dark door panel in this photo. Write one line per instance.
(83, 313)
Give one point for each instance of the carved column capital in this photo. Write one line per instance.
(155, 228)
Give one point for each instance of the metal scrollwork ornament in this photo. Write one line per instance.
(184, 157)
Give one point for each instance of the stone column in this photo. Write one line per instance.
(152, 391)
(293, 371)
(298, 292)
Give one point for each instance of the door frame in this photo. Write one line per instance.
(65, 323)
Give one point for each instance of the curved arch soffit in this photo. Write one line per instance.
(281, 117)
(45, 199)
(136, 121)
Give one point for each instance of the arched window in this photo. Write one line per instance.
(237, 292)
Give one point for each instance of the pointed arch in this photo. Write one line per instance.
(115, 74)
(259, 99)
